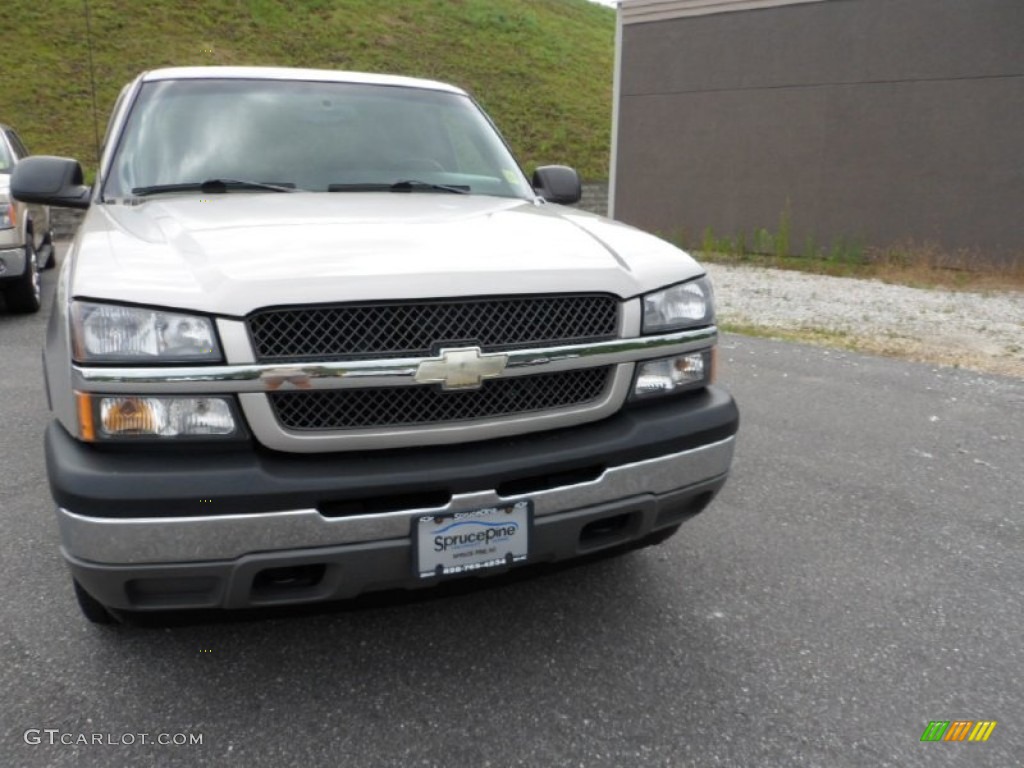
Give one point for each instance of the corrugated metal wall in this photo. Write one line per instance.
(875, 121)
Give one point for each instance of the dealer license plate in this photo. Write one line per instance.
(474, 540)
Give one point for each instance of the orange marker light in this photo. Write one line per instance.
(86, 427)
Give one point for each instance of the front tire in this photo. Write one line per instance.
(49, 246)
(25, 294)
(92, 609)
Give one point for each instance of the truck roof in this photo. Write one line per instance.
(289, 73)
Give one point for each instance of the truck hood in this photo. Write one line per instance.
(230, 254)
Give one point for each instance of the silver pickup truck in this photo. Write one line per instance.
(318, 334)
(26, 239)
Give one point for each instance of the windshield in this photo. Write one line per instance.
(316, 136)
(6, 162)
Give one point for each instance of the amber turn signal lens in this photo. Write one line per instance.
(129, 415)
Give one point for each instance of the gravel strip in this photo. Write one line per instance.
(981, 331)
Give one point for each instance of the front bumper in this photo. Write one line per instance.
(136, 540)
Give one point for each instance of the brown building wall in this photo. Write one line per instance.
(873, 120)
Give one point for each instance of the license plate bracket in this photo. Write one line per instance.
(458, 543)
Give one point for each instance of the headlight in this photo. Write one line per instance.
(674, 374)
(686, 305)
(7, 218)
(106, 333)
(103, 417)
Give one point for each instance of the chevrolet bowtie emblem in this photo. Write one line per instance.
(461, 368)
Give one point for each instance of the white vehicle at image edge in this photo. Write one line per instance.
(26, 240)
(319, 335)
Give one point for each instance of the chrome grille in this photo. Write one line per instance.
(418, 405)
(418, 329)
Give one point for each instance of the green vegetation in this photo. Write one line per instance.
(889, 345)
(541, 68)
(925, 265)
(807, 335)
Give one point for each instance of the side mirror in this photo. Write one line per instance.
(558, 184)
(48, 180)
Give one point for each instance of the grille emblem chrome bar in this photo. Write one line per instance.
(463, 368)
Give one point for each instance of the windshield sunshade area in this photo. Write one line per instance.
(312, 136)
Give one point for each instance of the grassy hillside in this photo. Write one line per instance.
(541, 68)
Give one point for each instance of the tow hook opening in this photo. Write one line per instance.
(274, 581)
(610, 530)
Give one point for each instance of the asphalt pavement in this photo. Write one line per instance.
(860, 576)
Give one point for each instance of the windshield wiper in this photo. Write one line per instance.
(405, 185)
(408, 185)
(213, 186)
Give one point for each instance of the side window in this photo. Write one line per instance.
(20, 150)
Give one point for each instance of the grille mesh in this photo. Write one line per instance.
(418, 405)
(415, 329)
